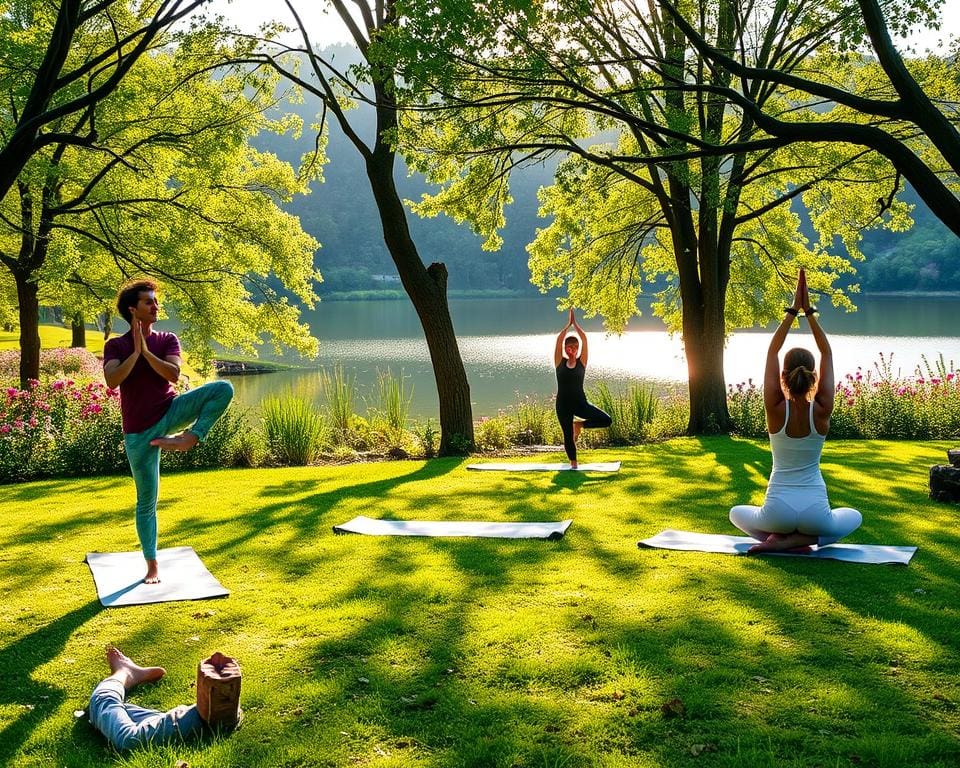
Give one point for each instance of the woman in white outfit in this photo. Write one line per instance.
(798, 402)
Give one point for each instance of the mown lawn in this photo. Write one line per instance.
(419, 652)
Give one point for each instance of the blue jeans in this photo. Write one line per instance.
(200, 407)
(127, 726)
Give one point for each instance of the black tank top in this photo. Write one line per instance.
(570, 382)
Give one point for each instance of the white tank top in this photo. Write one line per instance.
(796, 460)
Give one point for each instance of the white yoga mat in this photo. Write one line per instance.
(600, 466)
(738, 545)
(373, 527)
(119, 577)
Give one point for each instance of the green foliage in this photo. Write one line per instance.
(391, 408)
(339, 389)
(495, 434)
(632, 411)
(536, 421)
(429, 438)
(175, 190)
(296, 432)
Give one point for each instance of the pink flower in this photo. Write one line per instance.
(58, 385)
(4, 428)
(12, 391)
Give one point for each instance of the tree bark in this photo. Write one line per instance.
(78, 331)
(29, 310)
(427, 289)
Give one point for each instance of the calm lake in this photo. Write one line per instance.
(507, 347)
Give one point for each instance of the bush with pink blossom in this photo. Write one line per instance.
(66, 427)
(877, 403)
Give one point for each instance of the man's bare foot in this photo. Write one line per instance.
(182, 442)
(153, 573)
(796, 543)
(128, 673)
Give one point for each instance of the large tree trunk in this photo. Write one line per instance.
(708, 390)
(29, 306)
(427, 288)
(78, 331)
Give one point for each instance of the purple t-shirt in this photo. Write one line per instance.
(144, 395)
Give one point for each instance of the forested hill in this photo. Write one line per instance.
(341, 214)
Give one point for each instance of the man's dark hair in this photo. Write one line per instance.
(129, 295)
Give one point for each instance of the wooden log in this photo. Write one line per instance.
(218, 691)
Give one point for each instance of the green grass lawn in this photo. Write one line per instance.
(418, 652)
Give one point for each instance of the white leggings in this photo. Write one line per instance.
(795, 509)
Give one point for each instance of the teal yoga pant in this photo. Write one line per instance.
(197, 409)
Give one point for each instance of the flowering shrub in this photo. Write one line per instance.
(63, 428)
(877, 403)
(73, 363)
(58, 428)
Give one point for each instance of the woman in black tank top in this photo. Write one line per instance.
(570, 362)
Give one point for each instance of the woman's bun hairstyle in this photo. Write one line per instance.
(799, 371)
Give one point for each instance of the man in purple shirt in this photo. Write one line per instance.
(145, 364)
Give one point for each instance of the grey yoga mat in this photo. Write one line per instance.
(737, 545)
(119, 577)
(601, 466)
(373, 527)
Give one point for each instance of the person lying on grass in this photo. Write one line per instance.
(798, 402)
(127, 726)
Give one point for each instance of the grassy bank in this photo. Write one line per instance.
(420, 652)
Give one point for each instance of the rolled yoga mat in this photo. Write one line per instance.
(372, 527)
(690, 541)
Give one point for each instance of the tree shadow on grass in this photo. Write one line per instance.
(37, 701)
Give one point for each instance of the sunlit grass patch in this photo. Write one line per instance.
(426, 652)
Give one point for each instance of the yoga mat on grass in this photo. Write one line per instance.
(601, 466)
(372, 527)
(689, 541)
(119, 577)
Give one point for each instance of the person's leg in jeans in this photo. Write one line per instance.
(126, 726)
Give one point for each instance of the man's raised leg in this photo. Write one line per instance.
(197, 411)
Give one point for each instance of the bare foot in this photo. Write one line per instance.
(573, 465)
(153, 573)
(796, 543)
(128, 673)
(182, 442)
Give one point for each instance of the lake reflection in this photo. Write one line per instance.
(507, 347)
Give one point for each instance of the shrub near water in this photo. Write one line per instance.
(877, 403)
(295, 431)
